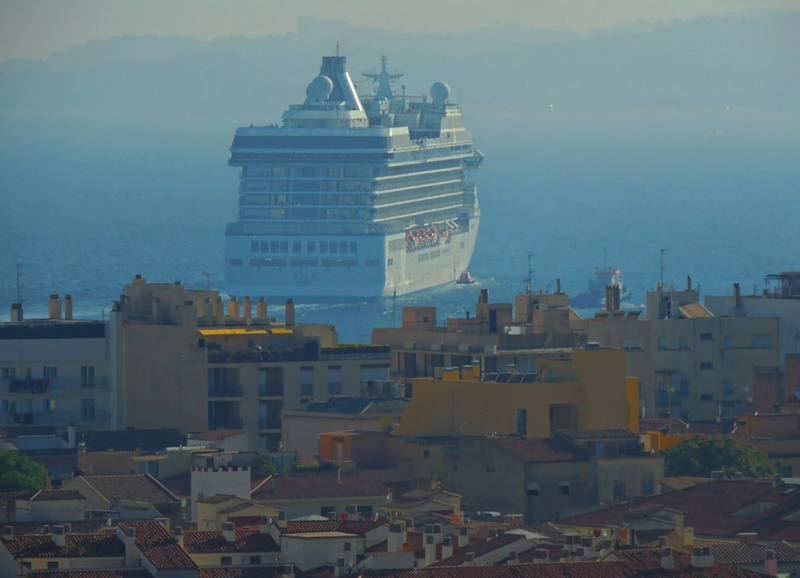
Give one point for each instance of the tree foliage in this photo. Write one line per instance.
(699, 456)
(19, 473)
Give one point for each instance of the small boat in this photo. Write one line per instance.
(465, 278)
(594, 296)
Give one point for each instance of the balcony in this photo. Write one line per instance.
(227, 423)
(56, 418)
(29, 386)
(270, 389)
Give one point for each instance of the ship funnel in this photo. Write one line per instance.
(343, 90)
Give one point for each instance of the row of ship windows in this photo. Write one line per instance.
(297, 246)
(268, 262)
(300, 213)
(282, 172)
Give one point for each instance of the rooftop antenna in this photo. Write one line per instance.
(530, 271)
(661, 282)
(19, 283)
(337, 49)
(208, 279)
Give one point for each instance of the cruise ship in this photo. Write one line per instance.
(353, 197)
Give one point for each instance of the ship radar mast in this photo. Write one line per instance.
(384, 80)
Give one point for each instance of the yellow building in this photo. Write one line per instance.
(586, 389)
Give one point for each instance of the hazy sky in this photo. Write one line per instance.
(37, 28)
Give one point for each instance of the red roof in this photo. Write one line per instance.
(133, 487)
(157, 545)
(358, 527)
(137, 573)
(718, 508)
(208, 542)
(240, 572)
(217, 434)
(75, 546)
(56, 495)
(539, 450)
(320, 485)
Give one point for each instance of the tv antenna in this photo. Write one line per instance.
(661, 282)
(530, 273)
(208, 279)
(20, 286)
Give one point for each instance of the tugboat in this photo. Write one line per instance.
(594, 296)
(465, 278)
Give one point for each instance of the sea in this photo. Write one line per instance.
(89, 201)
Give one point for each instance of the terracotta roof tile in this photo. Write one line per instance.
(157, 545)
(136, 488)
(320, 485)
(358, 527)
(240, 572)
(79, 527)
(75, 546)
(730, 552)
(208, 542)
(135, 573)
(539, 450)
(56, 495)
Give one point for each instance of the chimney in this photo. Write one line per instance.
(54, 309)
(177, 532)
(67, 306)
(688, 282)
(128, 537)
(233, 308)
(59, 536)
(395, 539)
(702, 557)
(208, 311)
(261, 308)
(512, 558)
(229, 531)
(667, 561)
(16, 312)
(289, 313)
(447, 547)
(463, 536)
(771, 563)
(430, 549)
(688, 537)
(247, 308)
(609, 299)
(558, 286)
(737, 297)
(484, 296)
(219, 311)
(339, 569)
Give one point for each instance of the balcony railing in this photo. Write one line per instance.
(229, 423)
(30, 386)
(271, 390)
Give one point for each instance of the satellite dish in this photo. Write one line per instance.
(320, 89)
(440, 92)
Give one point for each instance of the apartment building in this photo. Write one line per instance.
(690, 363)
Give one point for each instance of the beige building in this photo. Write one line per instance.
(499, 337)
(56, 371)
(690, 363)
(183, 361)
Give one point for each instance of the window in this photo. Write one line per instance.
(235, 262)
(563, 488)
(226, 560)
(255, 560)
(87, 376)
(51, 372)
(347, 546)
(372, 262)
(327, 511)
(647, 486)
(335, 380)
(619, 489)
(727, 387)
(389, 262)
(706, 337)
(343, 247)
(333, 247)
(284, 246)
(254, 246)
(311, 247)
(631, 344)
(707, 397)
(265, 246)
(353, 247)
(426, 453)
(662, 344)
(297, 247)
(727, 342)
(323, 246)
(683, 343)
(522, 422)
(9, 373)
(270, 381)
(87, 410)
(274, 246)
(685, 387)
(532, 489)
(307, 381)
(4, 406)
(52, 565)
(705, 365)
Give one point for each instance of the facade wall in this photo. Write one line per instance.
(589, 390)
(307, 507)
(301, 430)
(551, 479)
(625, 476)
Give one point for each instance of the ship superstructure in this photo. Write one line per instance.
(353, 197)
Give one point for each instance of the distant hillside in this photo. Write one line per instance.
(738, 61)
